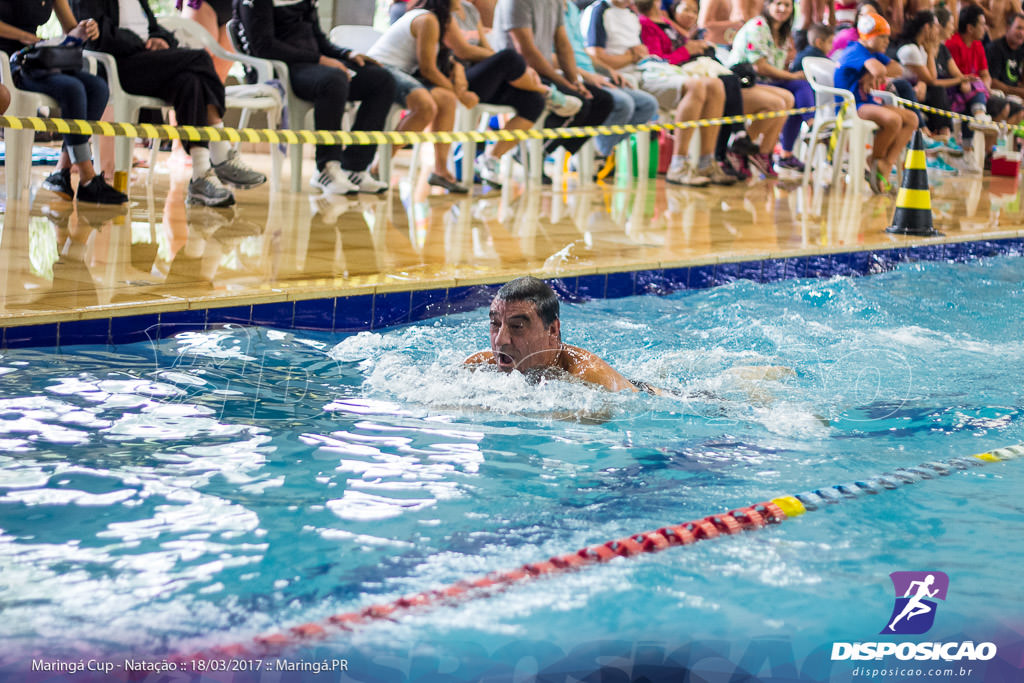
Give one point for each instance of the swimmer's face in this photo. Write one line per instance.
(519, 338)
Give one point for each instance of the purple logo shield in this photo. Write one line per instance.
(916, 593)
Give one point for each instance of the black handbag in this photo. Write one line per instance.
(47, 59)
(745, 72)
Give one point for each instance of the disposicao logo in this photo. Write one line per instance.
(913, 614)
(916, 592)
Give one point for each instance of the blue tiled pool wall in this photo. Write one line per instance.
(374, 311)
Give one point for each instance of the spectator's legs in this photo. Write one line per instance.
(689, 109)
(895, 128)
(803, 96)
(938, 97)
(328, 89)
(762, 98)
(623, 108)
(444, 119)
(502, 79)
(714, 105)
(595, 110)
(80, 96)
(374, 89)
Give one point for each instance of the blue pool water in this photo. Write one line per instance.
(202, 490)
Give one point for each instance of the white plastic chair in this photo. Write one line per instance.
(855, 135)
(240, 97)
(18, 154)
(355, 37)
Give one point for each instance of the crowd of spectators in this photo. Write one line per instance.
(578, 63)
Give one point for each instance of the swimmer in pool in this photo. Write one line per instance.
(526, 336)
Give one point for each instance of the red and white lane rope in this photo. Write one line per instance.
(732, 522)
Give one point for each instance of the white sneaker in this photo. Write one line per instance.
(685, 175)
(366, 182)
(328, 207)
(333, 180)
(489, 170)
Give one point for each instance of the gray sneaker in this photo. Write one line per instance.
(208, 191)
(234, 171)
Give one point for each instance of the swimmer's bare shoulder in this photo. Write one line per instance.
(592, 369)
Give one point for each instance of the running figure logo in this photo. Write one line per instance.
(914, 612)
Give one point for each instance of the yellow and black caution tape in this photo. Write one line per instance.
(342, 137)
(944, 112)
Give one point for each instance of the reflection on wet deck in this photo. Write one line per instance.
(59, 262)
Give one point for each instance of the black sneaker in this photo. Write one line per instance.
(59, 182)
(98, 192)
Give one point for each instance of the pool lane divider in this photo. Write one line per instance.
(750, 518)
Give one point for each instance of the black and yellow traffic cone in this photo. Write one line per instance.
(914, 202)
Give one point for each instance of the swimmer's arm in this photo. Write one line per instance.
(480, 358)
(761, 372)
(593, 370)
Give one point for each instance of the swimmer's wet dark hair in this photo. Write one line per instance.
(533, 289)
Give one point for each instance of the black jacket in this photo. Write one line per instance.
(290, 33)
(113, 40)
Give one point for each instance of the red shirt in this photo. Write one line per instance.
(659, 44)
(970, 60)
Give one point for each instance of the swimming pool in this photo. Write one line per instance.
(199, 491)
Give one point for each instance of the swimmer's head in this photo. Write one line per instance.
(533, 289)
(525, 330)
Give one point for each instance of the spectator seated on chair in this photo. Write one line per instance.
(429, 82)
(919, 49)
(536, 29)
(150, 63)
(761, 42)
(630, 104)
(496, 78)
(5, 98)
(1006, 59)
(613, 38)
(329, 76)
(735, 143)
(864, 67)
(669, 40)
(968, 53)
(79, 94)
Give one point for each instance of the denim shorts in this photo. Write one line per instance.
(405, 83)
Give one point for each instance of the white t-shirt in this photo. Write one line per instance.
(616, 29)
(397, 47)
(911, 55)
(133, 18)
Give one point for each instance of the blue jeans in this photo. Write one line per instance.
(629, 107)
(80, 95)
